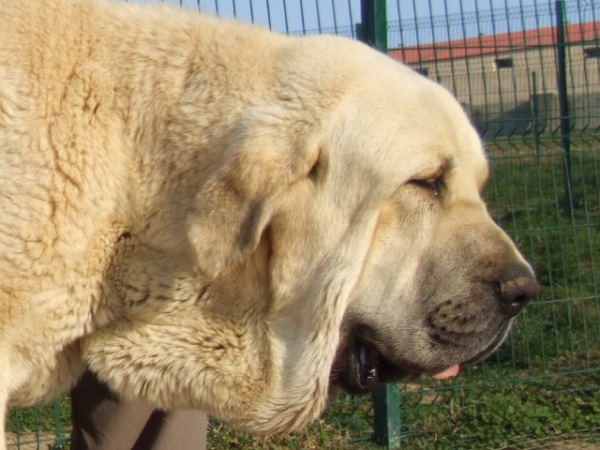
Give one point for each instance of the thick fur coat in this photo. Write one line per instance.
(209, 215)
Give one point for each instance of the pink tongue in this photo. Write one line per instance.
(451, 371)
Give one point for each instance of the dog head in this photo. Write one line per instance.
(381, 234)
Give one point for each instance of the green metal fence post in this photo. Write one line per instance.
(386, 398)
(386, 406)
(374, 24)
(58, 437)
(563, 100)
(359, 32)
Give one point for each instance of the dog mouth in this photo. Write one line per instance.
(363, 367)
(360, 366)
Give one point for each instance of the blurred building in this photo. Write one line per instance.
(508, 82)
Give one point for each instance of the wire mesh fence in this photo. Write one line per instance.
(501, 59)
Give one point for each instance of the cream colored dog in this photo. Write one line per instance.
(212, 216)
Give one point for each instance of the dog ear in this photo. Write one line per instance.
(265, 154)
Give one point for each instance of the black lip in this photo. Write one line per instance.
(367, 368)
(358, 379)
(353, 375)
(360, 375)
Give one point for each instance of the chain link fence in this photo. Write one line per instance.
(536, 100)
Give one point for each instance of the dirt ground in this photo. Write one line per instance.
(564, 445)
(569, 445)
(573, 446)
(30, 441)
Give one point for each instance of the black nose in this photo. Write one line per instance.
(517, 288)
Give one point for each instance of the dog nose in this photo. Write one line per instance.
(517, 287)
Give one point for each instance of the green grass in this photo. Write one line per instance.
(500, 416)
(541, 385)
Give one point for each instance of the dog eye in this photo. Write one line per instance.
(434, 185)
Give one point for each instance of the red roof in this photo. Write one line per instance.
(485, 45)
